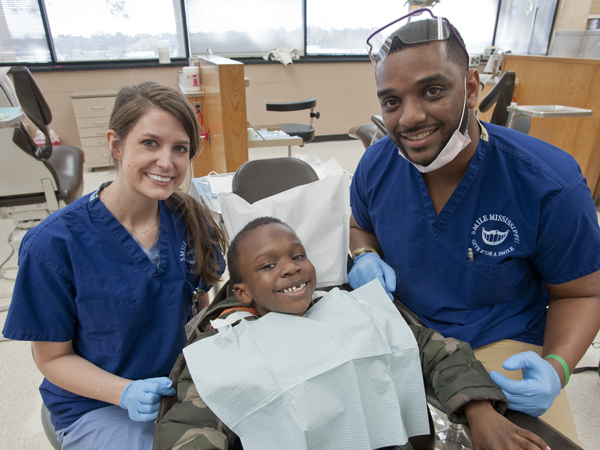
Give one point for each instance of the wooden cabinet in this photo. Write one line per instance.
(224, 112)
(92, 112)
(545, 80)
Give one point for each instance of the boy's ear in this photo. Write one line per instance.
(242, 294)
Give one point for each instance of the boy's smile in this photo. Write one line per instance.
(276, 273)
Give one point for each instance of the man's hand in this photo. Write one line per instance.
(368, 267)
(534, 394)
(490, 430)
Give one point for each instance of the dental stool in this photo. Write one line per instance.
(49, 428)
(306, 132)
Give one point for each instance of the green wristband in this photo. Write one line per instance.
(563, 364)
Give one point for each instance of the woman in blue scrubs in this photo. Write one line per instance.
(107, 284)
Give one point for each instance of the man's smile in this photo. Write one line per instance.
(418, 136)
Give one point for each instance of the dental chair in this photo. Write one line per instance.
(306, 132)
(36, 180)
(254, 181)
(286, 173)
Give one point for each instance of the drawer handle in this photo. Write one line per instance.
(100, 122)
(100, 132)
(98, 107)
(101, 142)
(106, 154)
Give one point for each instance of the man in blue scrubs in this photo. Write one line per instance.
(487, 234)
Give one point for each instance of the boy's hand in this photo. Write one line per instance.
(490, 430)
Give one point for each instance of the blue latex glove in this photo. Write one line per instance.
(534, 394)
(141, 398)
(369, 266)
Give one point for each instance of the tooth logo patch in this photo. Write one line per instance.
(494, 235)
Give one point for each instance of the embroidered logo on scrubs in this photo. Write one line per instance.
(494, 235)
(189, 256)
(182, 252)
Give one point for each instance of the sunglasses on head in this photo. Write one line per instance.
(419, 26)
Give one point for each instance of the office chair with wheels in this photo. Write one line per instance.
(306, 132)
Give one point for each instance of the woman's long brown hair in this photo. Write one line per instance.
(202, 231)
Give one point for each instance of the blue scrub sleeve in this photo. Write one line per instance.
(358, 204)
(43, 305)
(568, 244)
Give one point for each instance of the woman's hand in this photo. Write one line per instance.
(490, 430)
(141, 398)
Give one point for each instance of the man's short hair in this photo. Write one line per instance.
(454, 49)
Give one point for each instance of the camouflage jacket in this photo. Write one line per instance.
(449, 366)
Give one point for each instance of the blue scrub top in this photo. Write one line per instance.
(524, 210)
(82, 277)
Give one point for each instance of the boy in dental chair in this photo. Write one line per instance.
(271, 273)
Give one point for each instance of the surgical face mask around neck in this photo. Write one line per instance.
(457, 143)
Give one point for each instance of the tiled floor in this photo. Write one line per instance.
(20, 425)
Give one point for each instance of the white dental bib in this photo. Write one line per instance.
(347, 376)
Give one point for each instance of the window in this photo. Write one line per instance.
(91, 30)
(244, 27)
(337, 27)
(524, 26)
(475, 20)
(78, 31)
(97, 30)
(22, 35)
(341, 27)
